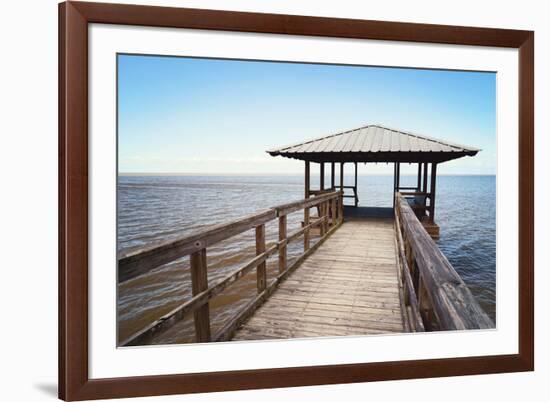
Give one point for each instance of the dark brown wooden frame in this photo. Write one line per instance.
(74, 382)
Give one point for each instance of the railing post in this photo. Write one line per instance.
(306, 233)
(333, 211)
(321, 207)
(282, 241)
(199, 283)
(261, 276)
(327, 215)
(424, 306)
(341, 206)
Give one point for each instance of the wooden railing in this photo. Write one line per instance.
(354, 195)
(435, 296)
(330, 206)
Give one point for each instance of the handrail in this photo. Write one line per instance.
(139, 262)
(444, 300)
(410, 301)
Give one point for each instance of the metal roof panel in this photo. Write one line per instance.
(372, 139)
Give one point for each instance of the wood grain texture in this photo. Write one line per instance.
(446, 295)
(349, 286)
(199, 282)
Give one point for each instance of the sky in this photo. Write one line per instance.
(214, 116)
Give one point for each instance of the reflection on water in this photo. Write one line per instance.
(160, 208)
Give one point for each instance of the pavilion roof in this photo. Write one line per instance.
(375, 143)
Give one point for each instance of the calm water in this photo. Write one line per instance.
(155, 209)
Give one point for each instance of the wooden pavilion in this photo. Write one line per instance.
(378, 144)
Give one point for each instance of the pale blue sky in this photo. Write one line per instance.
(190, 115)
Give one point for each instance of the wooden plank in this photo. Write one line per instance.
(315, 274)
(199, 283)
(342, 323)
(364, 306)
(292, 312)
(363, 301)
(288, 208)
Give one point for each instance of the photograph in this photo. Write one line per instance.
(260, 200)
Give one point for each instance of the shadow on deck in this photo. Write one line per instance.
(367, 212)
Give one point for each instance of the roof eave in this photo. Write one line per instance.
(376, 157)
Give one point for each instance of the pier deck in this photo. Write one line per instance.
(349, 286)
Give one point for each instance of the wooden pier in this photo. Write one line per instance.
(367, 273)
(364, 275)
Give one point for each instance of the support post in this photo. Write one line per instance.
(307, 180)
(355, 187)
(322, 176)
(332, 167)
(199, 283)
(425, 184)
(261, 275)
(398, 178)
(394, 182)
(432, 192)
(282, 247)
(341, 176)
(306, 233)
(419, 177)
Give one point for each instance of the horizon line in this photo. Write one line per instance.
(278, 174)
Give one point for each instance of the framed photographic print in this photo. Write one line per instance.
(259, 200)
